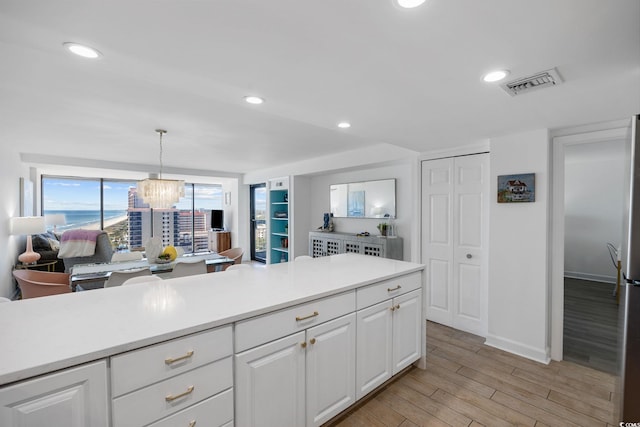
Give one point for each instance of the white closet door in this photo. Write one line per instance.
(470, 219)
(455, 214)
(437, 237)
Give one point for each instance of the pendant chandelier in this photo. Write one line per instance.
(160, 193)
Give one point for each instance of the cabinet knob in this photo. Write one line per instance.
(312, 340)
(469, 256)
(303, 344)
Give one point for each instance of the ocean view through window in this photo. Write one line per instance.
(114, 206)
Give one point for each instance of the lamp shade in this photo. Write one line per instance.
(55, 219)
(27, 225)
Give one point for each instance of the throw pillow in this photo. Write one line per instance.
(40, 242)
(55, 244)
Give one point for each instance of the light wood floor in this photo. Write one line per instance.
(470, 384)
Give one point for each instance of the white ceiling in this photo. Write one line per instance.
(410, 78)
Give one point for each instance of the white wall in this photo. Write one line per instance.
(518, 235)
(594, 201)
(346, 160)
(11, 169)
(406, 199)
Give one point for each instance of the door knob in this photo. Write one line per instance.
(469, 256)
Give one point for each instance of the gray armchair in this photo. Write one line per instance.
(103, 253)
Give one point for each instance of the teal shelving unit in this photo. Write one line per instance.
(279, 225)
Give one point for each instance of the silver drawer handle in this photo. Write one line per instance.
(171, 397)
(298, 318)
(394, 289)
(170, 360)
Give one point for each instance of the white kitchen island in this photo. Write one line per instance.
(289, 344)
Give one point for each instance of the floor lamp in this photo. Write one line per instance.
(27, 225)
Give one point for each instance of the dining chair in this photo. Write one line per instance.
(117, 278)
(142, 279)
(235, 254)
(187, 268)
(35, 283)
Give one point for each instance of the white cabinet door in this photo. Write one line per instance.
(331, 364)
(270, 384)
(455, 208)
(374, 347)
(75, 397)
(407, 329)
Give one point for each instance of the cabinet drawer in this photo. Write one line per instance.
(271, 326)
(138, 368)
(379, 292)
(154, 402)
(216, 411)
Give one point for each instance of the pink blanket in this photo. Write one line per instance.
(76, 243)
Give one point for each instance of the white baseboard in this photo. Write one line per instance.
(591, 277)
(520, 349)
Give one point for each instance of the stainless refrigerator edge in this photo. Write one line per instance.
(628, 408)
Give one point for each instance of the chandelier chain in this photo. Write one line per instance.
(161, 132)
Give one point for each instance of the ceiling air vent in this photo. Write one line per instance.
(537, 81)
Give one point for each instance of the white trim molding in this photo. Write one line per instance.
(539, 355)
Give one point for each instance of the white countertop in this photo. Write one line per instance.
(41, 335)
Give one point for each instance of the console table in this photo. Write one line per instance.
(322, 243)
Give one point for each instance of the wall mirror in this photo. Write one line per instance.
(368, 199)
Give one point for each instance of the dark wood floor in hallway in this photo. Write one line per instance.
(469, 384)
(590, 324)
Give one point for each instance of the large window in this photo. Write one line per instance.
(114, 206)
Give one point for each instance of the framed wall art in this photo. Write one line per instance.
(518, 188)
(355, 204)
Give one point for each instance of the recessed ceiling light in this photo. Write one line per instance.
(254, 100)
(409, 4)
(82, 50)
(495, 76)
(344, 125)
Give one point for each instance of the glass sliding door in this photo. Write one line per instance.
(258, 226)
